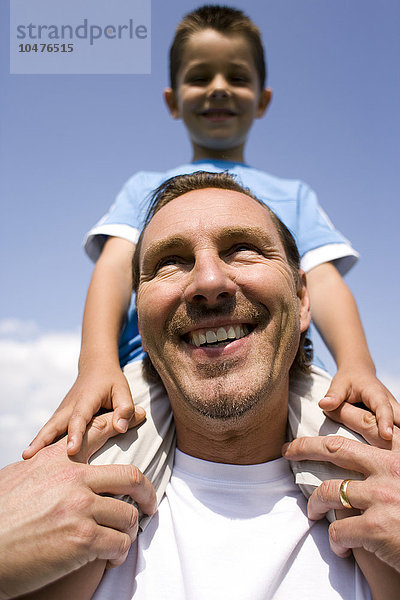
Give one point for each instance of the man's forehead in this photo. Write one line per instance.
(210, 211)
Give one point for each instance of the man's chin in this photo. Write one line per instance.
(221, 405)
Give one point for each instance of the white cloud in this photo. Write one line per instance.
(36, 370)
(17, 329)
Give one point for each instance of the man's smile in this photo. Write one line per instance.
(218, 336)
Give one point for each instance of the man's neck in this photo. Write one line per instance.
(244, 442)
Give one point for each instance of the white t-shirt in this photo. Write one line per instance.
(233, 532)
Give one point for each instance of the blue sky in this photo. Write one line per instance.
(68, 143)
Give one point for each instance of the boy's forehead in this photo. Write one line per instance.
(209, 212)
(231, 46)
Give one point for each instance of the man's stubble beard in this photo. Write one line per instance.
(217, 402)
(212, 399)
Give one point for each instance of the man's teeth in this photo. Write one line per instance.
(213, 336)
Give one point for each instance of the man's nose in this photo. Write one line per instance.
(210, 281)
(219, 87)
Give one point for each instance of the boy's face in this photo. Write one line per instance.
(218, 93)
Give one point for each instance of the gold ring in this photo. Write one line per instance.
(343, 493)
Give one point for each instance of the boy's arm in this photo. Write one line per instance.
(100, 381)
(336, 317)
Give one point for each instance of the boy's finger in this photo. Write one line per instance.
(80, 418)
(336, 394)
(396, 410)
(385, 418)
(100, 430)
(124, 408)
(365, 423)
(377, 399)
(54, 427)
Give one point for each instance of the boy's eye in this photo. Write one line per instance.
(198, 79)
(239, 79)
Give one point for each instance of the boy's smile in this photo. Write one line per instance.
(218, 94)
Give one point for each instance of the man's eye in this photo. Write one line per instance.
(179, 262)
(167, 261)
(245, 248)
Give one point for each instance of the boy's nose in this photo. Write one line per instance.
(210, 282)
(219, 87)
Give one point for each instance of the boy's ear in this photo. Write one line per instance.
(171, 102)
(265, 99)
(304, 302)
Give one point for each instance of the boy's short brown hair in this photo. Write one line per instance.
(225, 20)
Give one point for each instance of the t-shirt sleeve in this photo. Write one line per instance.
(317, 239)
(124, 218)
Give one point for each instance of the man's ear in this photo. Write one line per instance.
(171, 102)
(140, 333)
(141, 337)
(304, 302)
(263, 102)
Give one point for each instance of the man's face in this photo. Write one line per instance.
(218, 308)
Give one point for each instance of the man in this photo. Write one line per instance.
(223, 312)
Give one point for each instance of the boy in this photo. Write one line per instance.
(217, 72)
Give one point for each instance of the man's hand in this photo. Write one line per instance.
(377, 529)
(360, 385)
(54, 518)
(96, 388)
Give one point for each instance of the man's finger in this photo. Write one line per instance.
(116, 514)
(100, 430)
(338, 450)
(327, 497)
(111, 545)
(123, 480)
(346, 534)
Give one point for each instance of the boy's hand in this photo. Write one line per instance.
(102, 387)
(360, 385)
